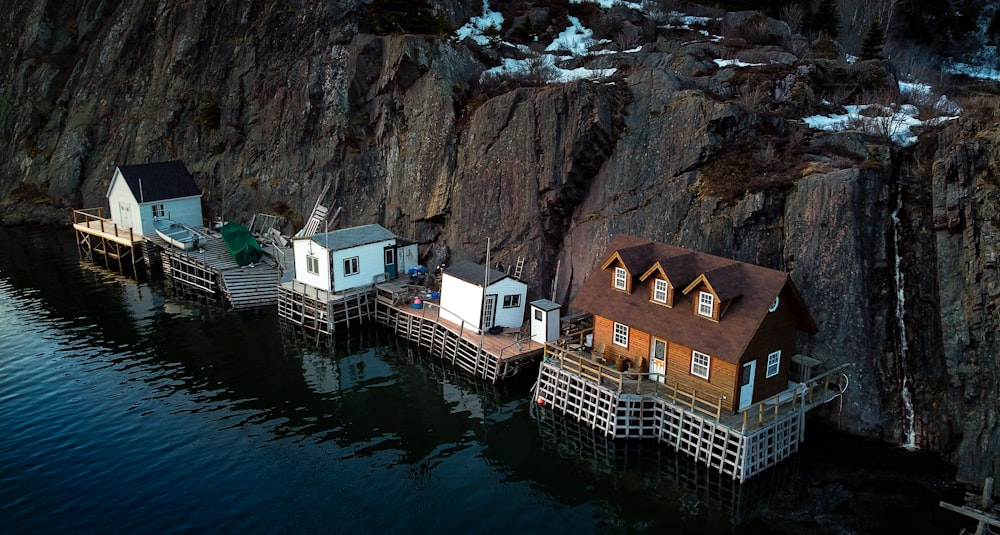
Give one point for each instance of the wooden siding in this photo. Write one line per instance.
(638, 342)
(776, 332)
(722, 375)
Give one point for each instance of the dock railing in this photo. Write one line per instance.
(85, 216)
(803, 397)
(596, 370)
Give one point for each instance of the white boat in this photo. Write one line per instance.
(175, 234)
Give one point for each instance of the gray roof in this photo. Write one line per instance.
(545, 304)
(151, 182)
(346, 238)
(474, 273)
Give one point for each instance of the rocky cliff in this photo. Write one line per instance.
(269, 103)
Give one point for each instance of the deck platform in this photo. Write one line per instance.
(322, 311)
(638, 405)
(97, 236)
(211, 269)
(484, 355)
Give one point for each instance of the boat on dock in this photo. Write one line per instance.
(175, 234)
(241, 244)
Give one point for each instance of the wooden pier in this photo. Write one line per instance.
(696, 485)
(97, 236)
(322, 311)
(488, 356)
(637, 405)
(212, 269)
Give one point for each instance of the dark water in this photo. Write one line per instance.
(123, 409)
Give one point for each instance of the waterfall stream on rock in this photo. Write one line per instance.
(903, 366)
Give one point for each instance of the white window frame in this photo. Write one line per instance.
(312, 264)
(773, 364)
(621, 279)
(620, 337)
(512, 301)
(159, 210)
(706, 304)
(701, 364)
(352, 266)
(661, 289)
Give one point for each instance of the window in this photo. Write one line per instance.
(351, 266)
(621, 281)
(660, 290)
(512, 301)
(158, 210)
(706, 302)
(700, 363)
(312, 264)
(538, 315)
(390, 257)
(773, 363)
(621, 335)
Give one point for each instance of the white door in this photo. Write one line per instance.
(746, 383)
(125, 213)
(658, 359)
(489, 311)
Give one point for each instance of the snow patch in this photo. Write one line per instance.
(735, 63)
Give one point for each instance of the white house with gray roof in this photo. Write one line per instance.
(465, 286)
(141, 193)
(350, 258)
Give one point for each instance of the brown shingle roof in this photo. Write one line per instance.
(755, 286)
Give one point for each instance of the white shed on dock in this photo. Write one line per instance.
(463, 293)
(350, 258)
(141, 193)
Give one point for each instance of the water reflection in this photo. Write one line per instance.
(118, 397)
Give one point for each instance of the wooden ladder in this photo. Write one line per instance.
(519, 267)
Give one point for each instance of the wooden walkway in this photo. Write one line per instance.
(491, 357)
(96, 235)
(638, 405)
(212, 269)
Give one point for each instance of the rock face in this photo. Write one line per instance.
(271, 103)
(966, 199)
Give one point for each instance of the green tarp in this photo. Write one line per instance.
(241, 244)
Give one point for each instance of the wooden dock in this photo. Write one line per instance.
(491, 357)
(322, 311)
(638, 405)
(697, 486)
(211, 269)
(97, 236)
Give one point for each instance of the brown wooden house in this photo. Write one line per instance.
(723, 327)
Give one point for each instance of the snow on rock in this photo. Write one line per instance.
(476, 25)
(608, 4)
(735, 63)
(575, 39)
(876, 119)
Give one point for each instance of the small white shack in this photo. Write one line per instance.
(140, 193)
(463, 294)
(350, 258)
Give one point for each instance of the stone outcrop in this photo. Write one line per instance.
(270, 103)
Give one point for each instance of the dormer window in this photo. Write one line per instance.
(660, 288)
(706, 304)
(621, 279)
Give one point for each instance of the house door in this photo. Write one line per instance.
(125, 213)
(489, 311)
(746, 383)
(390, 262)
(658, 359)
